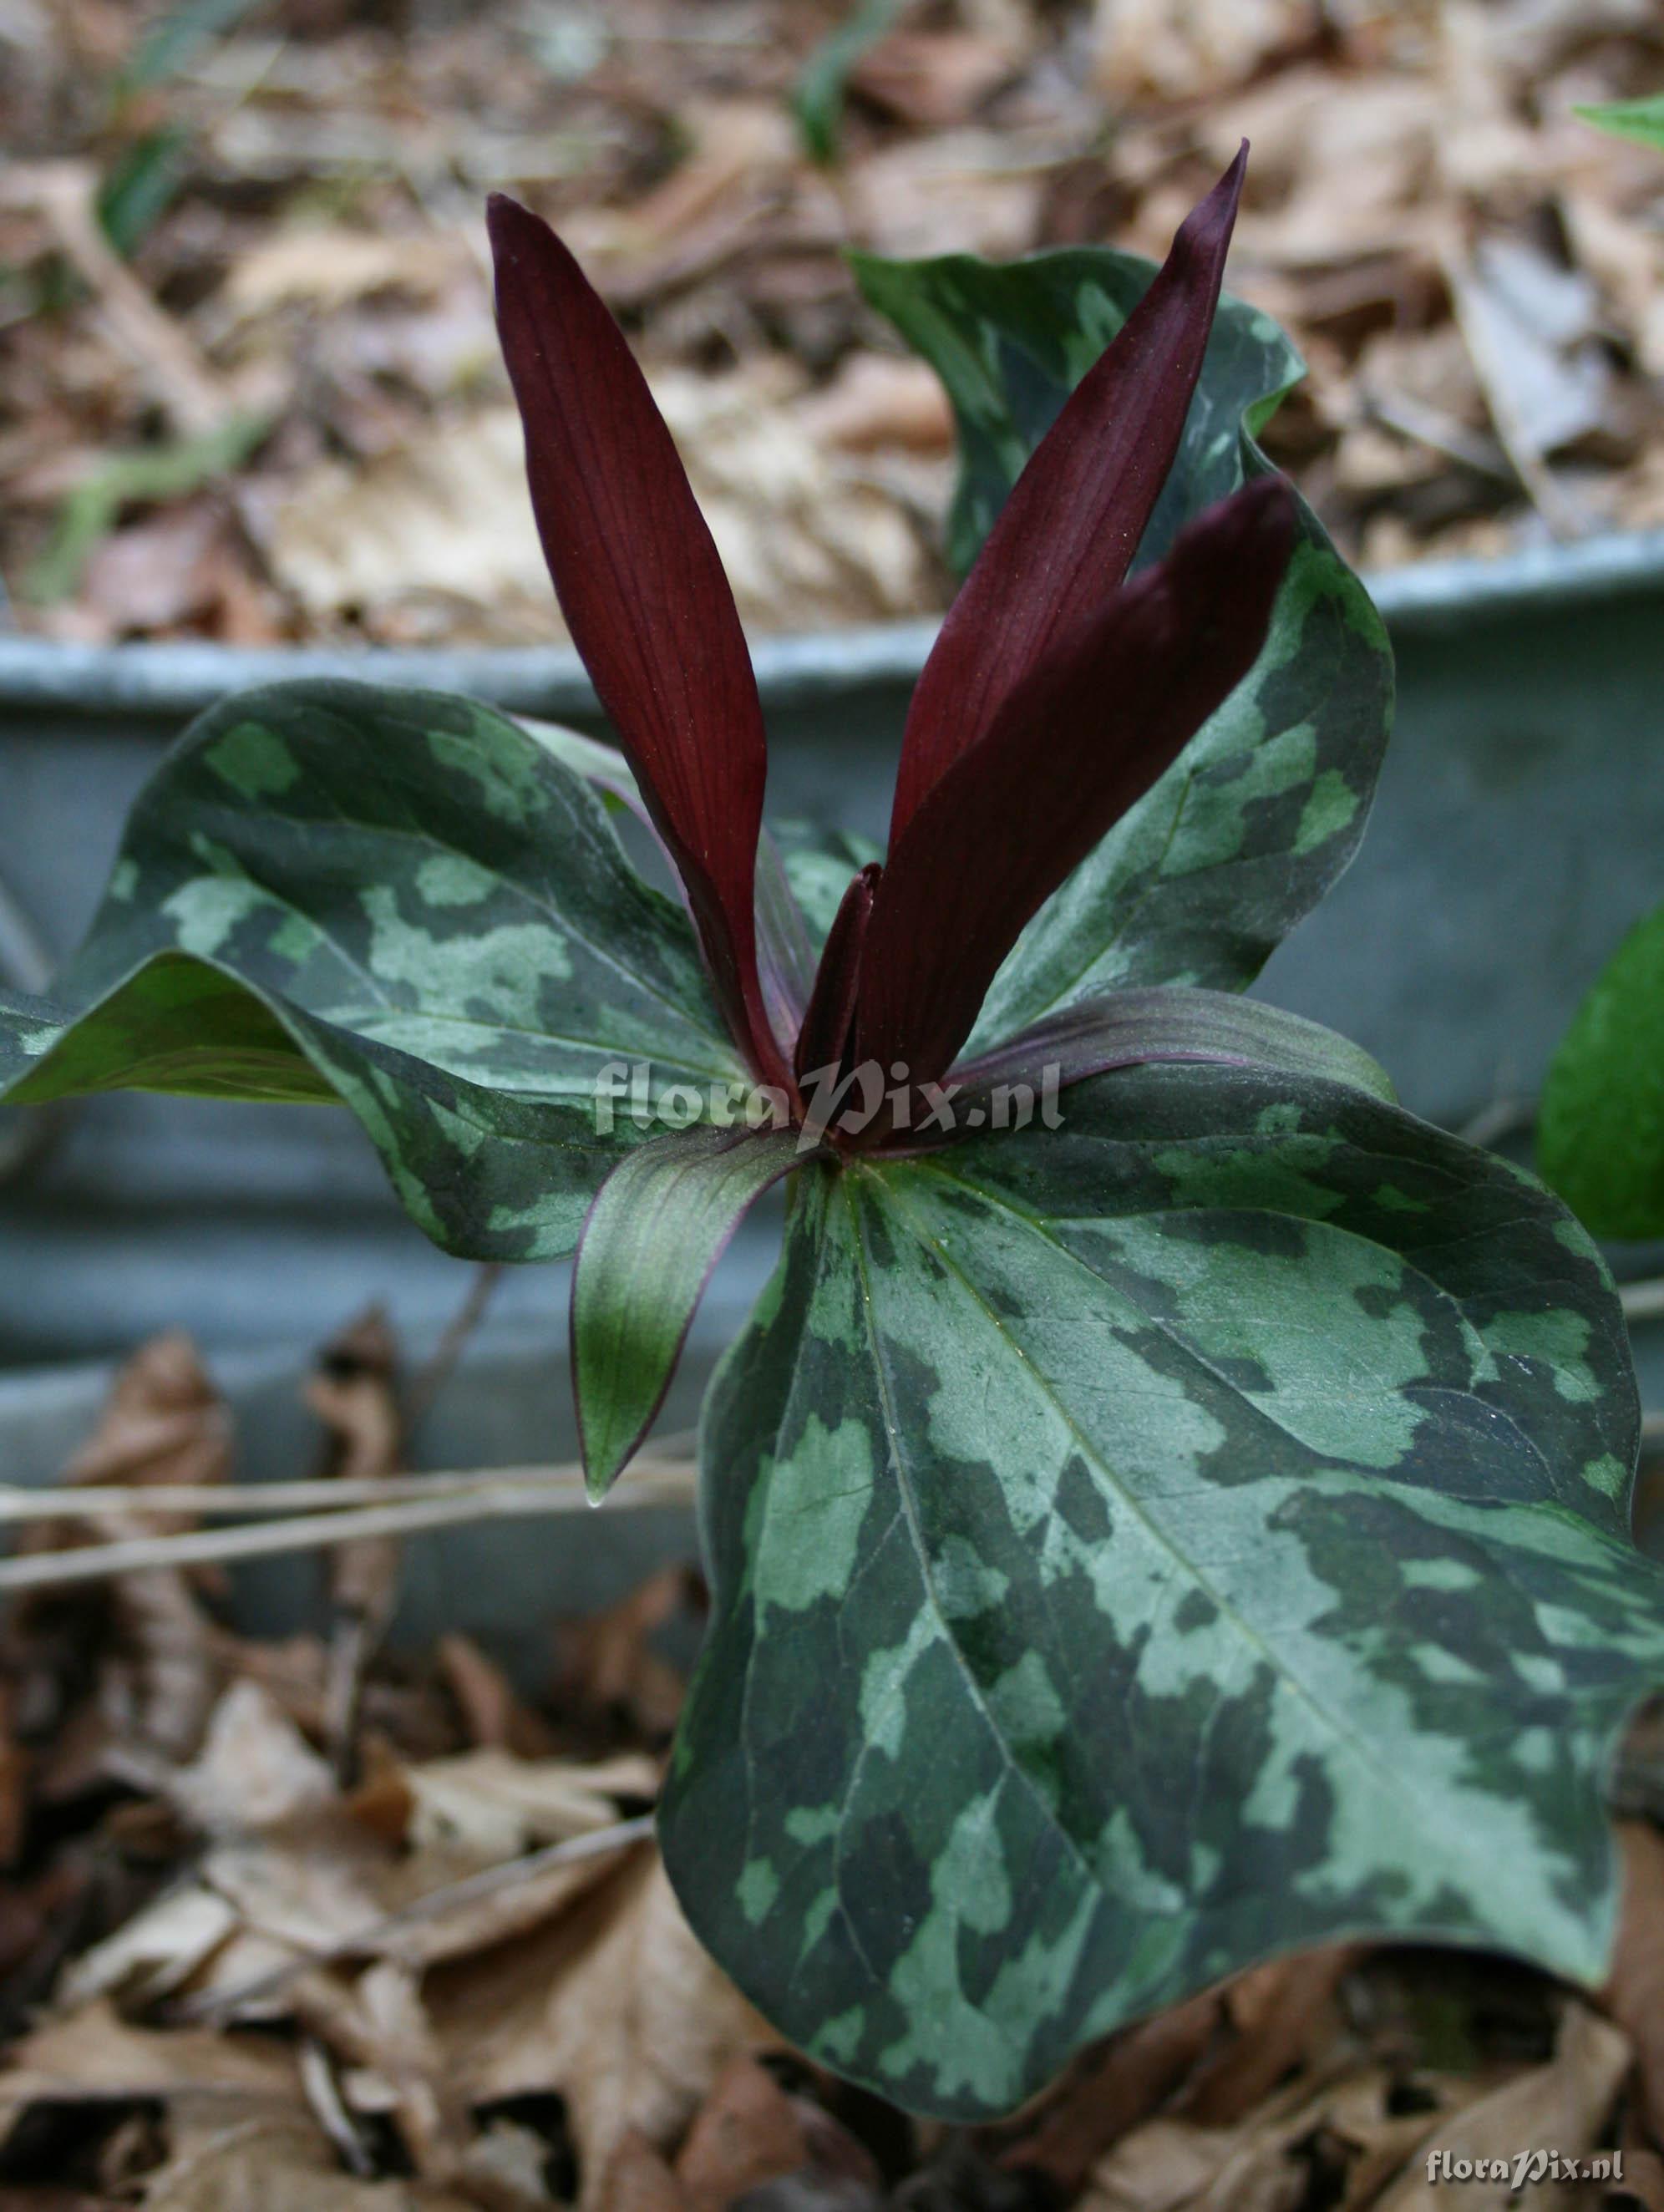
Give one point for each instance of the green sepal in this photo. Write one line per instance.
(659, 1225)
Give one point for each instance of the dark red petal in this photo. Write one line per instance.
(643, 593)
(1082, 739)
(824, 1035)
(1067, 534)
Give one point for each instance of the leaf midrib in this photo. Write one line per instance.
(1388, 1780)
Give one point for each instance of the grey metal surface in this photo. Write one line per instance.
(181, 678)
(1519, 832)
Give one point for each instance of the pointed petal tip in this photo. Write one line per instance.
(642, 588)
(1078, 509)
(503, 215)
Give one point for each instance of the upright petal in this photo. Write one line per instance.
(829, 1016)
(1083, 737)
(643, 593)
(1067, 534)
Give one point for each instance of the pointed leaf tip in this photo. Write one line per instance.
(1070, 527)
(1082, 738)
(643, 592)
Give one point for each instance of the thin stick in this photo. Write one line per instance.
(1641, 1301)
(258, 1500)
(435, 1372)
(1502, 1117)
(315, 1532)
(213, 2003)
(180, 380)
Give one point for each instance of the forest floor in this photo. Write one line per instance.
(249, 386)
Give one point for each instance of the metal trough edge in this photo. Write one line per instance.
(179, 678)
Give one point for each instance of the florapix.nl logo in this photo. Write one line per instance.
(845, 1101)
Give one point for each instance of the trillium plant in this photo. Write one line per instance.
(1169, 1504)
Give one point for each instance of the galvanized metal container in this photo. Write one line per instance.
(1518, 832)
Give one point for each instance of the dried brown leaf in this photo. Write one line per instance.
(154, 1953)
(933, 78)
(91, 2054)
(327, 268)
(1109, 2090)
(1189, 49)
(606, 1671)
(1635, 1995)
(263, 2167)
(493, 1712)
(615, 2006)
(969, 191)
(751, 2131)
(163, 1423)
(483, 1807)
(1564, 2105)
(1280, 2014)
(638, 2180)
(353, 1390)
(255, 1769)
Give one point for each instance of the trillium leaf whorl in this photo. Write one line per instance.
(1181, 1522)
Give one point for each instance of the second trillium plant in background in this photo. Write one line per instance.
(1181, 1524)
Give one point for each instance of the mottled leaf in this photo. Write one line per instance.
(785, 956)
(404, 896)
(660, 1224)
(1600, 1131)
(1147, 1545)
(1265, 805)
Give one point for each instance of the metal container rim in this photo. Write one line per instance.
(178, 679)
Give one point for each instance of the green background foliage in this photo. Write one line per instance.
(1600, 1129)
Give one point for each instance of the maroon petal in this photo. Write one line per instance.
(1071, 750)
(1069, 531)
(643, 593)
(824, 1037)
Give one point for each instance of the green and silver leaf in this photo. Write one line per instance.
(404, 901)
(1147, 1546)
(1240, 839)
